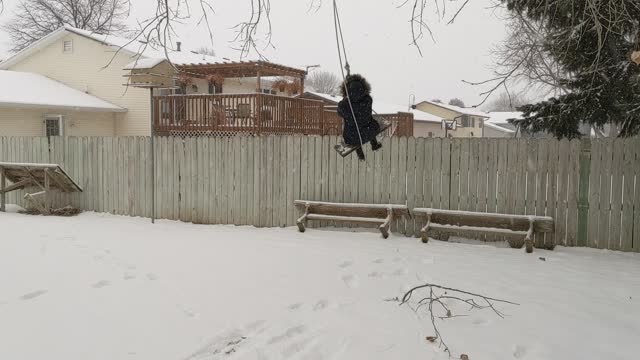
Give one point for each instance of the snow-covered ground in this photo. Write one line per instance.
(106, 287)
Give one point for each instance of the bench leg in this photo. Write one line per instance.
(528, 241)
(302, 221)
(425, 230)
(384, 228)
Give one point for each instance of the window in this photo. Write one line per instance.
(464, 121)
(480, 123)
(53, 125)
(67, 46)
(473, 122)
(430, 134)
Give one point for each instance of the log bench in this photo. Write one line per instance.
(367, 214)
(465, 223)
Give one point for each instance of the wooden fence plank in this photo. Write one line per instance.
(445, 178)
(616, 194)
(421, 182)
(454, 195)
(474, 163)
(594, 194)
(492, 178)
(574, 180)
(626, 231)
(512, 176)
(552, 189)
(411, 189)
(606, 150)
(636, 208)
(483, 173)
(463, 174)
(541, 185)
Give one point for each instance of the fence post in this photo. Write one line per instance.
(258, 112)
(583, 195)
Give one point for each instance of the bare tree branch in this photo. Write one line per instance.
(34, 19)
(440, 298)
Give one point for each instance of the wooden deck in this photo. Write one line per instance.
(253, 114)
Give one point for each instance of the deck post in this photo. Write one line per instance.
(3, 184)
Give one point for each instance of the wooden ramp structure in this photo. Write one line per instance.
(42, 177)
(367, 214)
(519, 228)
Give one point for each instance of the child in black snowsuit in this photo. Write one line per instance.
(359, 90)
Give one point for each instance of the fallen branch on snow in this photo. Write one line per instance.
(475, 301)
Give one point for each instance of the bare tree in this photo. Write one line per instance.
(33, 19)
(324, 82)
(203, 50)
(508, 102)
(456, 102)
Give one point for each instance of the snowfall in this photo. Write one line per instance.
(98, 286)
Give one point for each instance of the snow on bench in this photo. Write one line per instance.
(381, 214)
(470, 223)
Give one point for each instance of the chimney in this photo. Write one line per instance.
(179, 45)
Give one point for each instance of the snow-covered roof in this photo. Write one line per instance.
(502, 117)
(28, 90)
(498, 128)
(141, 64)
(386, 108)
(461, 110)
(134, 48)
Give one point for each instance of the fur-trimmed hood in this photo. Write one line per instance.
(357, 86)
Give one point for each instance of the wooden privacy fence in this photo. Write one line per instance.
(591, 188)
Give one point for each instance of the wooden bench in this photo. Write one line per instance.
(369, 214)
(514, 227)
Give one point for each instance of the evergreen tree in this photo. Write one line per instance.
(593, 41)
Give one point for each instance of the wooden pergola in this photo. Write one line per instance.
(250, 69)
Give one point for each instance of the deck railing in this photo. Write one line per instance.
(254, 114)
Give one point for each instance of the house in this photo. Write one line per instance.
(470, 122)
(497, 125)
(32, 104)
(423, 124)
(95, 65)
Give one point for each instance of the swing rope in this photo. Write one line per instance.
(340, 39)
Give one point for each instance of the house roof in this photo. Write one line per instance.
(502, 117)
(499, 128)
(30, 90)
(185, 59)
(386, 108)
(461, 110)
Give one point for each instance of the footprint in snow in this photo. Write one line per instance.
(376, 274)
(288, 334)
(351, 281)
(101, 284)
(129, 276)
(295, 306)
(321, 305)
(400, 272)
(519, 352)
(346, 264)
(378, 261)
(152, 276)
(33, 295)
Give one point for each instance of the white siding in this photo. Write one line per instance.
(84, 69)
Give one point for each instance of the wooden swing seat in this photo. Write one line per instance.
(368, 214)
(470, 224)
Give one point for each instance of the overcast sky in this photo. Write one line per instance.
(377, 34)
